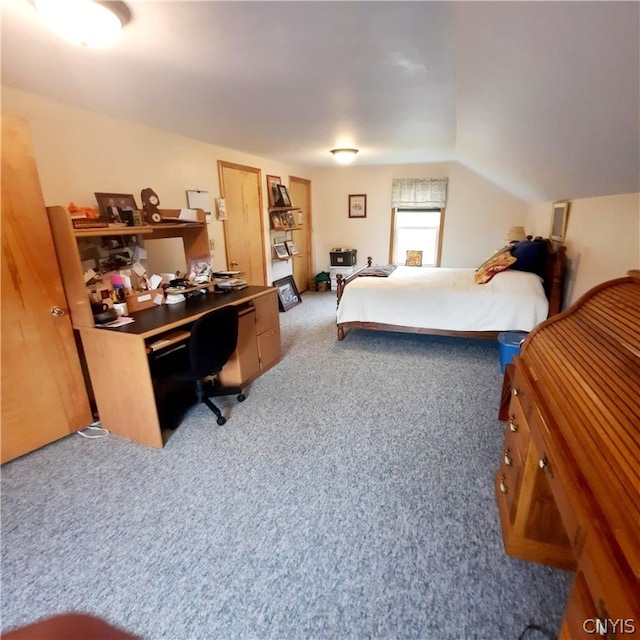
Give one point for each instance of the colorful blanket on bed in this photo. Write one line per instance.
(378, 270)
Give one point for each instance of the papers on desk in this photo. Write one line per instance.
(231, 284)
(120, 322)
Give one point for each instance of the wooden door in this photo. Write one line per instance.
(243, 228)
(43, 392)
(300, 192)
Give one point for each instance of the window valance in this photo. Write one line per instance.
(419, 193)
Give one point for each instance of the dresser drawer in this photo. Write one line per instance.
(517, 432)
(507, 487)
(616, 603)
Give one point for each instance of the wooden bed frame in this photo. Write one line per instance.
(554, 276)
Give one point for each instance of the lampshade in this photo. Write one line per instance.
(90, 23)
(516, 234)
(344, 156)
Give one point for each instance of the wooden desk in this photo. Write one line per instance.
(568, 488)
(118, 364)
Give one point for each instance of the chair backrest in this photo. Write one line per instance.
(213, 340)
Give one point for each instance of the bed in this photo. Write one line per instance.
(449, 301)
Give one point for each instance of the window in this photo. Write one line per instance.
(417, 229)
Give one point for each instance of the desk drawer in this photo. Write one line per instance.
(244, 364)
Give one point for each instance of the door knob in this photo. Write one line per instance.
(57, 312)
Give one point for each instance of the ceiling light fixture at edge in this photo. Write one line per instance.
(91, 23)
(344, 156)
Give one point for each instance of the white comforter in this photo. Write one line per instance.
(446, 299)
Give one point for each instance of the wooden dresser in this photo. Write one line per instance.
(568, 487)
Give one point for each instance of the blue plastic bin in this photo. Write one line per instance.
(510, 342)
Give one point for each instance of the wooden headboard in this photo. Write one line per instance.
(554, 275)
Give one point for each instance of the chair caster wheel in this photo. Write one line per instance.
(242, 397)
(221, 420)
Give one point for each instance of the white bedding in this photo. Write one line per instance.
(446, 299)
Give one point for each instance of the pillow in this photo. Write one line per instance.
(531, 256)
(498, 262)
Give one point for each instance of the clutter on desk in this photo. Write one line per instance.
(231, 284)
(174, 298)
(118, 322)
(200, 270)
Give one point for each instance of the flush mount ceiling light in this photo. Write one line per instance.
(90, 23)
(344, 156)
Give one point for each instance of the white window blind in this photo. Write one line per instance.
(419, 193)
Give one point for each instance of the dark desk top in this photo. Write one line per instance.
(163, 317)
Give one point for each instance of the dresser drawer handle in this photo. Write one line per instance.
(543, 463)
(503, 486)
(507, 458)
(516, 392)
(513, 427)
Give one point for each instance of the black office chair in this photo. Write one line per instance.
(213, 340)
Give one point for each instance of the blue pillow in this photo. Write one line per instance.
(531, 256)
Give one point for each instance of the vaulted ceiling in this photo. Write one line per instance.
(543, 98)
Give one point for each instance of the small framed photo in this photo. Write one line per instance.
(272, 190)
(112, 205)
(276, 220)
(358, 206)
(291, 247)
(280, 251)
(291, 221)
(288, 295)
(283, 199)
(559, 221)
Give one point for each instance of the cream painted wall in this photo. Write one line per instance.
(478, 213)
(603, 239)
(81, 152)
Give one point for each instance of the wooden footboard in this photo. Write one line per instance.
(342, 281)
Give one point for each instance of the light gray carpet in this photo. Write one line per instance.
(350, 496)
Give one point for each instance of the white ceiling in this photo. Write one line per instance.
(543, 98)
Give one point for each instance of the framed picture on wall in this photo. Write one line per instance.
(559, 219)
(288, 295)
(358, 206)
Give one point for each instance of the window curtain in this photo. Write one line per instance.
(419, 193)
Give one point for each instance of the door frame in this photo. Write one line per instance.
(223, 164)
(308, 225)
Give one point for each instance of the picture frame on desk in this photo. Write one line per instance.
(288, 295)
(112, 205)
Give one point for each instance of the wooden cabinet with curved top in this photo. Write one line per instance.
(570, 494)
